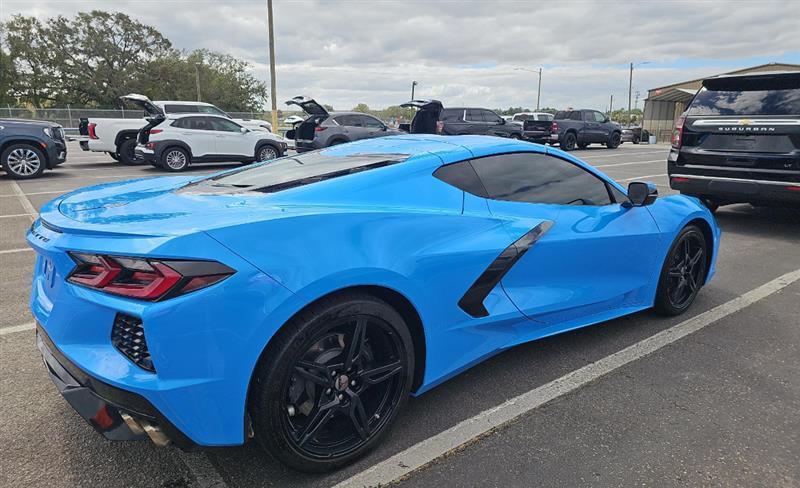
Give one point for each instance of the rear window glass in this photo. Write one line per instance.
(451, 115)
(303, 169)
(746, 102)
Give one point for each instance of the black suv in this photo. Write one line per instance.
(28, 147)
(432, 118)
(739, 141)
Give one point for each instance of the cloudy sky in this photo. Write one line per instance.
(469, 52)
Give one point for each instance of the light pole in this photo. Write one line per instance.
(413, 84)
(630, 89)
(273, 88)
(539, 89)
(197, 79)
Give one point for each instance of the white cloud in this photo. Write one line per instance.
(346, 52)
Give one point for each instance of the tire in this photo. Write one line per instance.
(126, 153)
(636, 140)
(711, 205)
(23, 161)
(174, 159)
(306, 405)
(683, 272)
(266, 152)
(113, 155)
(569, 142)
(515, 136)
(614, 141)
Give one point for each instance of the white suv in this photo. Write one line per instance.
(176, 141)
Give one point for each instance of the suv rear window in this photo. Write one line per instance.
(290, 172)
(746, 102)
(451, 115)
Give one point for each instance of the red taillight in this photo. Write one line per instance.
(554, 128)
(92, 133)
(144, 279)
(793, 188)
(155, 131)
(319, 128)
(677, 132)
(150, 145)
(679, 179)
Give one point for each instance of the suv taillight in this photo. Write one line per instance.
(554, 128)
(90, 129)
(144, 279)
(677, 132)
(155, 131)
(319, 128)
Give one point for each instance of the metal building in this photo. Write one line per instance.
(665, 104)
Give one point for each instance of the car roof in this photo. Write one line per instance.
(334, 114)
(195, 114)
(182, 102)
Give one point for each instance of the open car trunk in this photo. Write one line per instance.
(317, 113)
(426, 120)
(153, 114)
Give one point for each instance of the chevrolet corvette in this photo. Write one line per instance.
(301, 301)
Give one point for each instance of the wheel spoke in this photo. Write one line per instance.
(358, 416)
(316, 373)
(381, 373)
(696, 258)
(318, 420)
(692, 282)
(357, 343)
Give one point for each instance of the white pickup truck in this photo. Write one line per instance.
(117, 137)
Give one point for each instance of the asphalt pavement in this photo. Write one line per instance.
(718, 407)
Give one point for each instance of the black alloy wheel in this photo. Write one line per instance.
(569, 142)
(327, 393)
(614, 141)
(684, 272)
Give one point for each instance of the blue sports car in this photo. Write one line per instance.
(302, 300)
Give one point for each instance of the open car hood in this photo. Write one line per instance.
(309, 105)
(144, 103)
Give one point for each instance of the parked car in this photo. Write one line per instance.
(433, 118)
(324, 129)
(579, 128)
(537, 127)
(634, 134)
(739, 141)
(300, 302)
(174, 142)
(28, 147)
(117, 137)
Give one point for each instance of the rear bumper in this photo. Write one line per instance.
(115, 413)
(539, 136)
(736, 190)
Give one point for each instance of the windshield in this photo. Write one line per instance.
(746, 102)
(300, 170)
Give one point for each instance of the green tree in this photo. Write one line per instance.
(361, 107)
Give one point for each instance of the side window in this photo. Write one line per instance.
(370, 122)
(575, 115)
(617, 195)
(210, 109)
(451, 115)
(179, 123)
(180, 109)
(491, 117)
(196, 123)
(349, 120)
(538, 178)
(462, 176)
(223, 125)
(474, 115)
(599, 117)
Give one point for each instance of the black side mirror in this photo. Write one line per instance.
(606, 120)
(641, 194)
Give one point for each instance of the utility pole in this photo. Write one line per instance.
(197, 79)
(611, 106)
(539, 90)
(413, 84)
(273, 88)
(630, 89)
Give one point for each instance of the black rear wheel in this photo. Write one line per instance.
(569, 142)
(614, 140)
(332, 382)
(683, 272)
(126, 153)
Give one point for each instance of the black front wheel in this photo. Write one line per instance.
(331, 383)
(614, 141)
(683, 272)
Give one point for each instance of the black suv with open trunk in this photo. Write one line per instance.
(739, 141)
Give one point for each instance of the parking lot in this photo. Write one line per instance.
(710, 398)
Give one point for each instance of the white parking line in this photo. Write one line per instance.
(469, 430)
(642, 177)
(26, 204)
(628, 164)
(588, 155)
(13, 216)
(9, 251)
(17, 328)
(37, 193)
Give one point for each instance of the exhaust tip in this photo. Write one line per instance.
(139, 427)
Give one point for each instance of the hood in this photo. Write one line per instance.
(27, 123)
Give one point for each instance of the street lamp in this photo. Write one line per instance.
(538, 90)
(413, 84)
(630, 89)
(197, 79)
